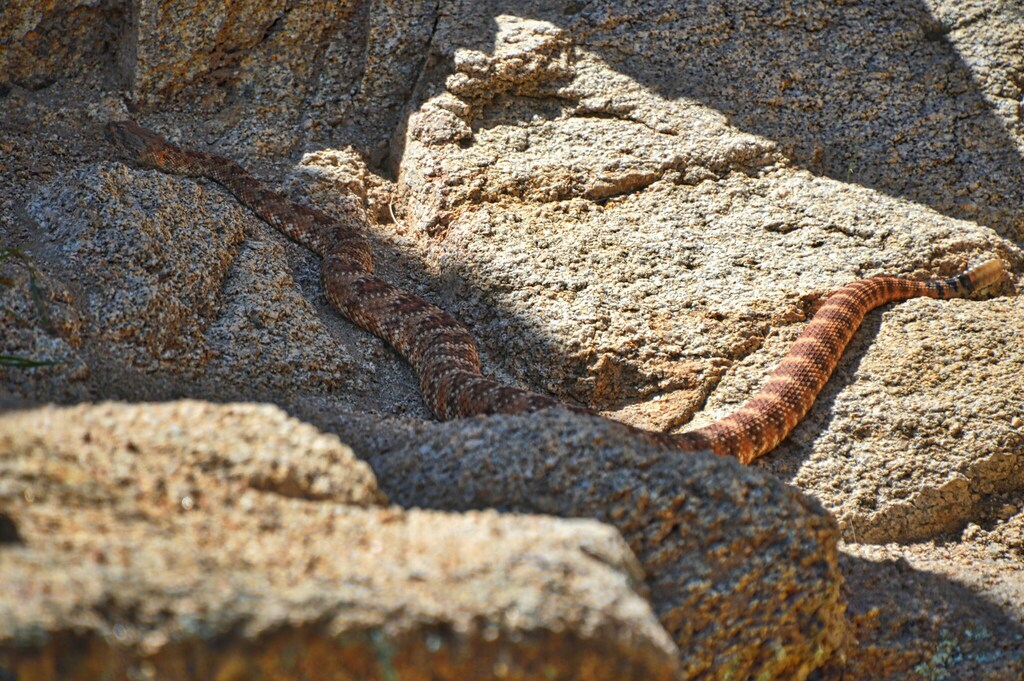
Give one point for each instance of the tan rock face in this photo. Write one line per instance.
(175, 294)
(923, 424)
(644, 270)
(635, 205)
(329, 68)
(187, 541)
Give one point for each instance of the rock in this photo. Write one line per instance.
(528, 56)
(914, 624)
(251, 446)
(178, 279)
(742, 569)
(189, 541)
(41, 42)
(986, 42)
(149, 276)
(173, 46)
(220, 54)
(987, 561)
(626, 247)
(914, 434)
(368, 78)
(634, 205)
(843, 91)
(292, 70)
(39, 357)
(9, 530)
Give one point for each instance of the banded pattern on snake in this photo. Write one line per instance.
(443, 353)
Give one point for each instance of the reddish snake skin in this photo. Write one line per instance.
(443, 353)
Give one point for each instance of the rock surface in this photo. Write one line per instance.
(921, 425)
(936, 628)
(42, 332)
(175, 294)
(41, 42)
(189, 541)
(742, 569)
(634, 204)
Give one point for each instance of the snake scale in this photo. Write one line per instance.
(443, 353)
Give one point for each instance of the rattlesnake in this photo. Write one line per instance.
(443, 353)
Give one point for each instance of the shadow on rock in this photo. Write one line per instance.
(875, 94)
(911, 624)
(741, 568)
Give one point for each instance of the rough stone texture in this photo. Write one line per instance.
(40, 326)
(920, 426)
(652, 292)
(250, 446)
(634, 205)
(42, 41)
(148, 278)
(176, 45)
(742, 569)
(186, 541)
(984, 36)
(317, 69)
(984, 560)
(875, 94)
(650, 245)
(234, 59)
(909, 623)
(173, 291)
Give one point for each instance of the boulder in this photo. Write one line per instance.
(191, 541)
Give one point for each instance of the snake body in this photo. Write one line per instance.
(443, 353)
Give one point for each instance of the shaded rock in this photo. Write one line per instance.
(742, 569)
(150, 277)
(191, 541)
(41, 42)
(368, 78)
(880, 95)
(634, 204)
(227, 58)
(8, 530)
(985, 558)
(172, 47)
(41, 335)
(983, 35)
(915, 625)
(324, 71)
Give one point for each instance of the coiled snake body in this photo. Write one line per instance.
(443, 353)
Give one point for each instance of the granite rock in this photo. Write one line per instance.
(635, 205)
(190, 541)
(742, 569)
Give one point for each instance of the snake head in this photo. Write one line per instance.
(141, 145)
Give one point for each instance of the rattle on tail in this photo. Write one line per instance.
(443, 353)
